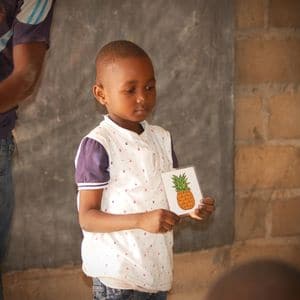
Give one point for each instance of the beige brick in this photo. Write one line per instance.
(194, 271)
(282, 250)
(260, 61)
(286, 217)
(209, 262)
(284, 119)
(284, 13)
(47, 284)
(248, 119)
(250, 214)
(267, 167)
(249, 14)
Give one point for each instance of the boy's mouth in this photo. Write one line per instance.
(140, 109)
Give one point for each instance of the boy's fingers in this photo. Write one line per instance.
(203, 214)
(171, 222)
(196, 217)
(171, 218)
(176, 218)
(209, 204)
(210, 208)
(166, 227)
(208, 200)
(168, 224)
(195, 214)
(201, 207)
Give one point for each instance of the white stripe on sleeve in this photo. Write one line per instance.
(34, 11)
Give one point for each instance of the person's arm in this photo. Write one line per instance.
(92, 219)
(28, 60)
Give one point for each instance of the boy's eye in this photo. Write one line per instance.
(149, 87)
(130, 90)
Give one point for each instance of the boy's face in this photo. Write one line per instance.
(127, 90)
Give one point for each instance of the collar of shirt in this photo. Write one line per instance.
(126, 132)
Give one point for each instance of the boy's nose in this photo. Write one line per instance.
(140, 99)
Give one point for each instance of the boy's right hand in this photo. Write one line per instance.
(158, 221)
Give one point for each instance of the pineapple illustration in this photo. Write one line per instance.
(185, 197)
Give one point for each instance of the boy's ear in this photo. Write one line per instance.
(98, 92)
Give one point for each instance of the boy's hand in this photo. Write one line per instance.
(158, 221)
(204, 210)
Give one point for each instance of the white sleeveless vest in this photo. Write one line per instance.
(136, 162)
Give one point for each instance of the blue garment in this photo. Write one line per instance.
(102, 292)
(7, 147)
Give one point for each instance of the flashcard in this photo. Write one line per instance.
(182, 190)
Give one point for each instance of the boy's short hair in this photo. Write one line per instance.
(114, 50)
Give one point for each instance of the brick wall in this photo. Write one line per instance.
(267, 116)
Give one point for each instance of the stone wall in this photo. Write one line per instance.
(267, 162)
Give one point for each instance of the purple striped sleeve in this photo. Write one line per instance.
(91, 166)
(33, 25)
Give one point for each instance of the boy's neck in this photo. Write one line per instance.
(132, 126)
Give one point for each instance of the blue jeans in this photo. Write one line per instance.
(102, 292)
(7, 147)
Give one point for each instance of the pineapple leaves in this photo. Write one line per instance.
(180, 182)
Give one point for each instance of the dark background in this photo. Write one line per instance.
(191, 44)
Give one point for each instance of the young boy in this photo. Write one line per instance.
(123, 210)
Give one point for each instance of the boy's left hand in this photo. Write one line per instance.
(204, 210)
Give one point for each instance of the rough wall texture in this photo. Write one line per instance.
(267, 181)
(267, 128)
(191, 46)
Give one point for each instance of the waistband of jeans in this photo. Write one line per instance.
(6, 138)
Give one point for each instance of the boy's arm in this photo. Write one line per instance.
(92, 219)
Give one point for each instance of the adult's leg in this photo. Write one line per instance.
(6, 196)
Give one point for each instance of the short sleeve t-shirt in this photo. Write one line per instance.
(128, 168)
(21, 22)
